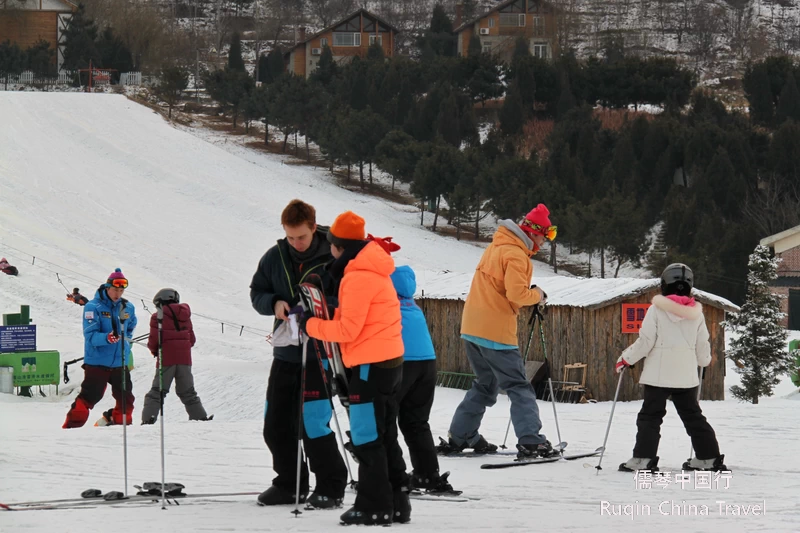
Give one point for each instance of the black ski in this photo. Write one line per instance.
(91, 502)
(540, 460)
(444, 450)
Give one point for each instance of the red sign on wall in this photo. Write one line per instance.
(633, 316)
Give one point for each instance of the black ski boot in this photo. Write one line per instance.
(363, 518)
(481, 446)
(640, 463)
(535, 451)
(433, 483)
(278, 496)
(320, 501)
(402, 506)
(715, 464)
(151, 420)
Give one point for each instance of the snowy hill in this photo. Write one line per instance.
(93, 182)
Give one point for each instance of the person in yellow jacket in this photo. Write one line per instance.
(500, 288)
(367, 325)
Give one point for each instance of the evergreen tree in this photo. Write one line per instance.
(789, 102)
(405, 103)
(263, 68)
(12, 60)
(759, 94)
(39, 59)
(398, 154)
(235, 61)
(484, 83)
(512, 115)
(475, 48)
(784, 154)
(566, 101)
(375, 52)
(276, 67)
(759, 345)
(326, 68)
(79, 39)
(363, 130)
(437, 174)
(521, 50)
(359, 92)
(438, 39)
(447, 124)
(172, 82)
(113, 53)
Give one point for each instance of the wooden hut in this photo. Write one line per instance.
(588, 322)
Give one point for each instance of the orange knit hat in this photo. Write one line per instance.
(347, 227)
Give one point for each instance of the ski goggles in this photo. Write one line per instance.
(120, 283)
(548, 232)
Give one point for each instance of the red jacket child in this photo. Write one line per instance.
(177, 335)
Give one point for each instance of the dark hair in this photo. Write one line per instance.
(678, 288)
(297, 213)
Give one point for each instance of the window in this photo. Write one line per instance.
(538, 26)
(323, 42)
(375, 39)
(346, 39)
(491, 23)
(540, 50)
(487, 48)
(512, 19)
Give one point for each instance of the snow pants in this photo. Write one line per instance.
(415, 400)
(319, 442)
(184, 388)
(650, 417)
(93, 388)
(373, 392)
(495, 370)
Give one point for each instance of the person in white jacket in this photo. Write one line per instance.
(673, 341)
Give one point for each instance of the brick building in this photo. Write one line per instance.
(25, 22)
(786, 245)
(500, 27)
(351, 36)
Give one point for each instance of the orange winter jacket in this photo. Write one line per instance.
(367, 323)
(500, 287)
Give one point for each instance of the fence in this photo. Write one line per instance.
(65, 78)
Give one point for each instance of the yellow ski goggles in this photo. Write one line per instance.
(548, 232)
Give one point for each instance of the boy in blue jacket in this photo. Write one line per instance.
(108, 323)
(419, 383)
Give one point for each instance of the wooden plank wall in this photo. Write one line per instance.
(573, 335)
(26, 27)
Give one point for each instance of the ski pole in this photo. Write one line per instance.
(124, 378)
(701, 374)
(611, 416)
(300, 427)
(531, 323)
(160, 319)
(550, 382)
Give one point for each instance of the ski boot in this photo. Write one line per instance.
(278, 496)
(481, 446)
(149, 421)
(364, 518)
(715, 464)
(535, 451)
(402, 506)
(319, 501)
(640, 463)
(433, 483)
(105, 420)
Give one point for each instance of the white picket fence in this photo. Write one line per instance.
(65, 78)
(130, 78)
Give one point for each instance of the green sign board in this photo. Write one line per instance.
(33, 368)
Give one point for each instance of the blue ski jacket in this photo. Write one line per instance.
(101, 316)
(416, 337)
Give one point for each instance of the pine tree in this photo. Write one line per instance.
(375, 52)
(263, 68)
(172, 82)
(475, 48)
(759, 94)
(12, 60)
(567, 100)
(326, 68)
(789, 102)
(235, 61)
(447, 123)
(79, 38)
(39, 58)
(521, 50)
(759, 343)
(398, 154)
(276, 66)
(512, 115)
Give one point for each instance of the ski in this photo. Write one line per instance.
(540, 460)
(433, 497)
(443, 446)
(80, 502)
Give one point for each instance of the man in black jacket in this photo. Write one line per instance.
(299, 257)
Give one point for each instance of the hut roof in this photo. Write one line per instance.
(590, 293)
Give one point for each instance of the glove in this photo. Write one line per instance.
(621, 363)
(543, 294)
(112, 339)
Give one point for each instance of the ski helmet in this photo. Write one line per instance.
(677, 278)
(165, 297)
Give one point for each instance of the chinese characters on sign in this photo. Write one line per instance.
(632, 317)
(702, 480)
(17, 338)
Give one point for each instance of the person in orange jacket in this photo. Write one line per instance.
(367, 326)
(500, 288)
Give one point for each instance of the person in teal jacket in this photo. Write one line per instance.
(419, 383)
(108, 324)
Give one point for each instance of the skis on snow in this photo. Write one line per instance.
(540, 460)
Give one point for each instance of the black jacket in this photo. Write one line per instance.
(276, 279)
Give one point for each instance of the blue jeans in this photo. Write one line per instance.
(495, 370)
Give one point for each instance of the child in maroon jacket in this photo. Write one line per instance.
(177, 339)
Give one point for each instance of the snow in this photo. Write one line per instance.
(91, 182)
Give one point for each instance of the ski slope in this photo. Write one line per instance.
(93, 182)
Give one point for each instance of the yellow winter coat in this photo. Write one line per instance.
(500, 287)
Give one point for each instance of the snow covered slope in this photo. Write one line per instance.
(92, 182)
